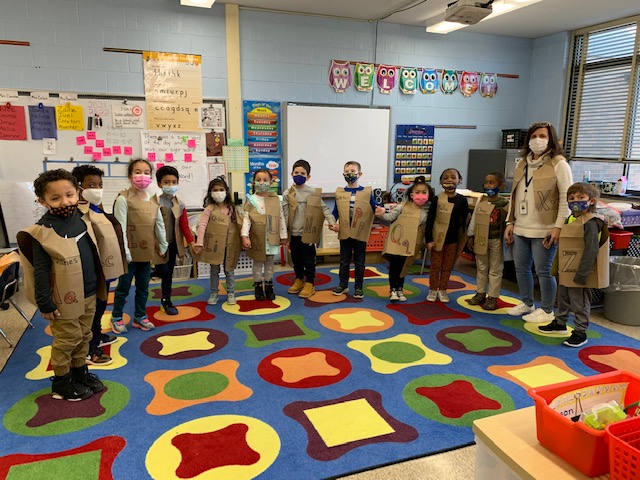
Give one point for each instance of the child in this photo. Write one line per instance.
(140, 216)
(405, 236)
(305, 212)
(263, 230)
(218, 239)
(176, 223)
(109, 235)
(63, 275)
(354, 209)
(444, 233)
(582, 245)
(484, 234)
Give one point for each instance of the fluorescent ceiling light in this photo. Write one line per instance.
(437, 24)
(197, 3)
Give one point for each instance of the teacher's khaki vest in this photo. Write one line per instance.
(570, 250)
(141, 221)
(313, 215)
(360, 226)
(220, 235)
(176, 209)
(545, 186)
(263, 226)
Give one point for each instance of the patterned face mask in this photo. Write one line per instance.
(350, 177)
(63, 212)
(262, 187)
(579, 207)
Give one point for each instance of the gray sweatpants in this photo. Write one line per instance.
(576, 300)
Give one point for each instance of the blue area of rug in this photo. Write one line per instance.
(294, 388)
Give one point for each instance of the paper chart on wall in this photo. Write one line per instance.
(19, 207)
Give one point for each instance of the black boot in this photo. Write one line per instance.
(65, 388)
(82, 376)
(268, 290)
(258, 291)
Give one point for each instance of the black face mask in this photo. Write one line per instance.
(63, 212)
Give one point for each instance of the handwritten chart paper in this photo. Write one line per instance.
(173, 91)
(43, 122)
(69, 117)
(128, 116)
(12, 123)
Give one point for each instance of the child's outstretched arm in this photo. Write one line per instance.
(591, 246)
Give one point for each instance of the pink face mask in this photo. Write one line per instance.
(141, 182)
(420, 198)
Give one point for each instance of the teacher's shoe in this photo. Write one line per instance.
(521, 309)
(539, 316)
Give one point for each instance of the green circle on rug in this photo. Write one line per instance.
(196, 385)
(397, 352)
(179, 291)
(31, 416)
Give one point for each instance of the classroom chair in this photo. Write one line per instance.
(9, 286)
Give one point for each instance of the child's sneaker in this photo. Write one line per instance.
(307, 291)
(358, 293)
(65, 388)
(107, 340)
(443, 296)
(213, 299)
(393, 295)
(143, 324)
(539, 316)
(491, 303)
(432, 296)
(167, 307)
(117, 325)
(340, 290)
(98, 357)
(81, 376)
(297, 286)
(401, 296)
(231, 298)
(553, 327)
(577, 339)
(477, 299)
(520, 309)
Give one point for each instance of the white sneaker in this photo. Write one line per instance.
(401, 296)
(231, 298)
(539, 316)
(521, 309)
(433, 296)
(393, 296)
(444, 298)
(213, 299)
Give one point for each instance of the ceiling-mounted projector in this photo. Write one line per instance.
(468, 12)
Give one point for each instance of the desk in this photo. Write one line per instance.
(507, 448)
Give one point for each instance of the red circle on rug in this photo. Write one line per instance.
(304, 368)
(608, 358)
(288, 279)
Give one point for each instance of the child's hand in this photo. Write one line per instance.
(430, 245)
(470, 243)
(335, 227)
(380, 211)
(197, 249)
(246, 243)
(51, 315)
(284, 241)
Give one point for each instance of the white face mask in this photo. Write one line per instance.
(538, 145)
(218, 197)
(93, 195)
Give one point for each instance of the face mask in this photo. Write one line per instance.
(93, 195)
(141, 182)
(492, 192)
(170, 189)
(449, 187)
(579, 207)
(350, 177)
(538, 145)
(261, 187)
(299, 179)
(63, 212)
(218, 197)
(420, 198)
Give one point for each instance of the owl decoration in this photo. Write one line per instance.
(386, 78)
(340, 76)
(429, 80)
(468, 83)
(364, 77)
(449, 81)
(488, 85)
(408, 80)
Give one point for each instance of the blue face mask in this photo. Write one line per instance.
(492, 192)
(170, 189)
(299, 179)
(350, 177)
(579, 207)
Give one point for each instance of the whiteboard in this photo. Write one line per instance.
(329, 136)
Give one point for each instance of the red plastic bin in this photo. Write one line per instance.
(583, 447)
(376, 238)
(624, 449)
(620, 239)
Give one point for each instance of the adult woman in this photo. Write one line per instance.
(537, 212)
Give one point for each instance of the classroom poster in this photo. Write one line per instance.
(215, 142)
(262, 127)
(43, 122)
(414, 152)
(69, 117)
(236, 158)
(12, 123)
(212, 116)
(128, 115)
(173, 90)
(273, 164)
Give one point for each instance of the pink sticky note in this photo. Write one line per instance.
(106, 152)
(191, 143)
(99, 143)
(188, 157)
(128, 150)
(151, 156)
(159, 165)
(91, 135)
(96, 156)
(117, 149)
(88, 149)
(81, 140)
(168, 157)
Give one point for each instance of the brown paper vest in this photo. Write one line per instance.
(483, 211)
(221, 234)
(360, 226)
(402, 237)
(108, 245)
(176, 211)
(141, 220)
(313, 218)
(443, 218)
(264, 227)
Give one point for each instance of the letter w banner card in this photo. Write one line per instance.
(173, 91)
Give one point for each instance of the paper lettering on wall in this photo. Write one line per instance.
(12, 123)
(39, 97)
(7, 95)
(49, 146)
(66, 97)
(128, 116)
(173, 91)
(69, 117)
(43, 122)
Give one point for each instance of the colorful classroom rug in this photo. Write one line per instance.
(291, 388)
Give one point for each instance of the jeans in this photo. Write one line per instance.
(303, 257)
(142, 272)
(165, 270)
(528, 252)
(352, 248)
(214, 279)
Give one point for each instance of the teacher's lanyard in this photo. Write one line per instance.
(527, 180)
